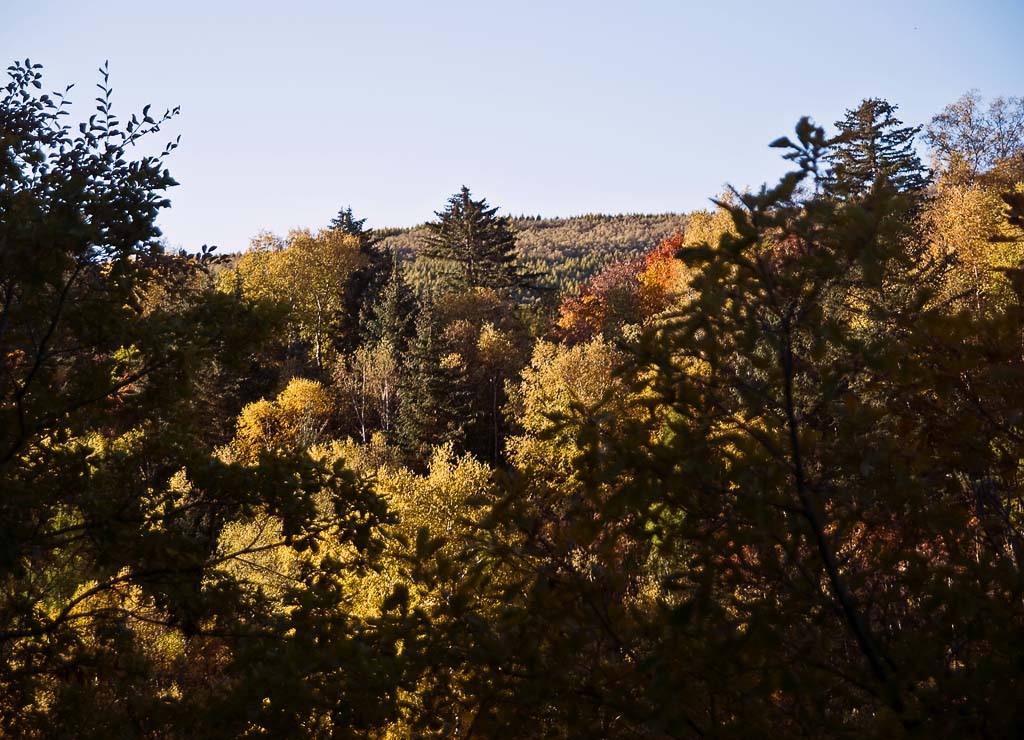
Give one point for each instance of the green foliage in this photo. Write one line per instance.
(872, 144)
(473, 248)
(391, 317)
(366, 285)
(434, 398)
(562, 252)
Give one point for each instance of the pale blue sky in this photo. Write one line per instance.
(291, 110)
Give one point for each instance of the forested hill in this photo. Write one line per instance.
(567, 251)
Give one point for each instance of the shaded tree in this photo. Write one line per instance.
(365, 284)
(873, 143)
(118, 616)
(392, 317)
(434, 399)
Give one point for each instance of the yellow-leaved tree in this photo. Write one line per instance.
(308, 273)
(295, 420)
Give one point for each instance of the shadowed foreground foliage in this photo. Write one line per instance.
(762, 480)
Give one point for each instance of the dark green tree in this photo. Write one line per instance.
(347, 223)
(473, 247)
(363, 288)
(391, 318)
(873, 143)
(434, 404)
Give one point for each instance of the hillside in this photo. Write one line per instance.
(564, 251)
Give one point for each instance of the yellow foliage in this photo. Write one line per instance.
(559, 376)
(558, 379)
(708, 227)
(253, 554)
(257, 430)
(968, 220)
(362, 459)
(436, 501)
(494, 345)
(307, 272)
(452, 361)
(294, 420)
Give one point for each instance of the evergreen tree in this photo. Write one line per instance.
(435, 402)
(873, 143)
(391, 318)
(364, 285)
(473, 247)
(346, 222)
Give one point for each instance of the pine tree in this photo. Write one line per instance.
(435, 401)
(874, 143)
(391, 317)
(473, 247)
(364, 286)
(346, 222)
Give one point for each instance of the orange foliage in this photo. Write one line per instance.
(624, 293)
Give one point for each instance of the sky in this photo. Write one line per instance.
(292, 110)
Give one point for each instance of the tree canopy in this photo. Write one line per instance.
(755, 471)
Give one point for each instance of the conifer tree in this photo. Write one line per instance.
(435, 402)
(364, 286)
(473, 247)
(873, 143)
(347, 223)
(391, 318)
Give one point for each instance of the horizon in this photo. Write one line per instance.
(289, 114)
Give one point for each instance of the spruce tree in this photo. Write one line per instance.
(473, 247)
(364, 285)
(435, 400)
(873, 143)
(347, 223)
(391, 317)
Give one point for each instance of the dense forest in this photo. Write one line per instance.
(563, 252)
(753, 471)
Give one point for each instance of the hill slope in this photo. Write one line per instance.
(565, 251)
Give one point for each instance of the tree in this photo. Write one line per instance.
(119, 614)
(979, 155)
(307, 273)
(473, 247)
(392, 316)
(434, 401)
(966, 220)
(968, 141)
(292, 422)
(368, 381)
(805, 520)
(347, 223)
(873, 143)
(365, 284)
